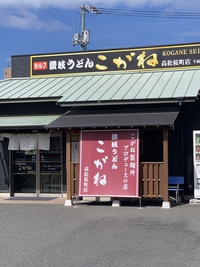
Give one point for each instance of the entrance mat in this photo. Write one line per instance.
(32, 198)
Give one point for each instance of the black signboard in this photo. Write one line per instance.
(132, 59)
(24, 156)
(24, 167)
(50, 167)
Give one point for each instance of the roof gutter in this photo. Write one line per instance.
(120, 102)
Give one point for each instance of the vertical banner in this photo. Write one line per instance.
(109, 163)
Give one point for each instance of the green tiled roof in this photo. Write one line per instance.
(135, 87)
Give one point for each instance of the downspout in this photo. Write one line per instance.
(181, 138)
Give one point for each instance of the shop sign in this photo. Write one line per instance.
(24, 167)
(132, 59)
(109, 163)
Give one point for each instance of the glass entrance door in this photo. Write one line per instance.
(50, 168)
(24, 172)
(38, 172)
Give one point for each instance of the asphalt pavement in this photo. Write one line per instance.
(99, 235)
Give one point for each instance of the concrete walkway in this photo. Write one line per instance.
(32, 200)
(86, 201)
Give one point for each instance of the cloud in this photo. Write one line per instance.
(171, 4)
(24, 19)
(39, 3)
(23, 14)
(195, 33)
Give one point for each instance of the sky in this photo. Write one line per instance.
(46, 26)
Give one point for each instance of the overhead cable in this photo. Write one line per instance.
(152, 14)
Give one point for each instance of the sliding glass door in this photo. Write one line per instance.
(50, 168)
(24, 172)
(38, 172)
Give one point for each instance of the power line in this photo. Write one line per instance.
(151, 14)
(83, 38)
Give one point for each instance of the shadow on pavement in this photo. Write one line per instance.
(128, 203)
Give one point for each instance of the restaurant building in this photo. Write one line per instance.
(112, 123)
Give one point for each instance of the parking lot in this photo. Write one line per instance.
(99, 235)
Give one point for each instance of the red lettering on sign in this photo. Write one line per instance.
(40, 65)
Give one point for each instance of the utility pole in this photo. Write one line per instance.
(83, 11)
(84, 38)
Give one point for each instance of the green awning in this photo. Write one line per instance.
(28, 122)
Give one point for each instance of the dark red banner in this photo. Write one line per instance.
(109, 163)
